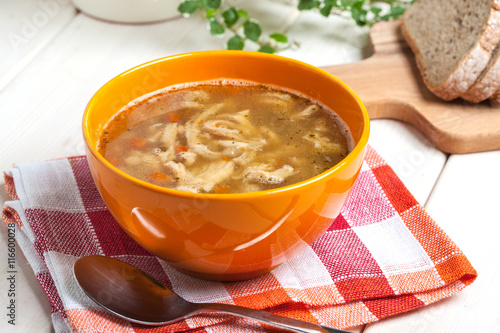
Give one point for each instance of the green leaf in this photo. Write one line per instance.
(267, 49)
(355, 14)
(359, 16)
(215, 27)
(345, 3)
(235, 43)
(252, 30)
(396, 11)
(188, 6)
(210, 4)
(308, 4)
(327, 7)
(326, 10)
(358, 4)
(386, 17)
(375, 10)
(210, 13)
(230, 17)
(242, 13)
(280, 38)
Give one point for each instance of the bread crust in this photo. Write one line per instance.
(495, 97)
(486, 85)
(472, 64)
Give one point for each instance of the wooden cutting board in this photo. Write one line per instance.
(390, 85)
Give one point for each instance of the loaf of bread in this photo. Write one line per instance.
(453, 41)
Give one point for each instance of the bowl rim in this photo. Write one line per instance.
(358, 148)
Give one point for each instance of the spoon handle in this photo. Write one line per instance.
(266, 317)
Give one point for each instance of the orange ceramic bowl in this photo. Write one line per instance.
(225, 236)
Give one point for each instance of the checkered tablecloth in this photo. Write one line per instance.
(382, 256)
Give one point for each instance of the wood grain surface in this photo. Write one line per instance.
(391, 86)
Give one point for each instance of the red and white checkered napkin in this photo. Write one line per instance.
(382, 256)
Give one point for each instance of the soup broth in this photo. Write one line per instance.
(224, 137)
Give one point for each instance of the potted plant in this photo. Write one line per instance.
(245, 30)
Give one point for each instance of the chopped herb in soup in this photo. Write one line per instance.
(224, 137)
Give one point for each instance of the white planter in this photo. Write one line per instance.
(129, 11)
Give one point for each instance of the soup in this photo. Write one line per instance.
(224, 137)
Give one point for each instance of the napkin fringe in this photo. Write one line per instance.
(9, 186)
(10, 216)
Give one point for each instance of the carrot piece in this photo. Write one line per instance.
(160, 176)
(227, 159)
(137, 143)
(173, 117)
(221, 189)
(180, 148)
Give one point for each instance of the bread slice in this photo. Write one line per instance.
(496, 97)
(488, 82)
(452, 41)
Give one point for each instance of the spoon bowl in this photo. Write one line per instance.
(132, 294)
(128, 291)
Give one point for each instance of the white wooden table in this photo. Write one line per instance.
(52, 61)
